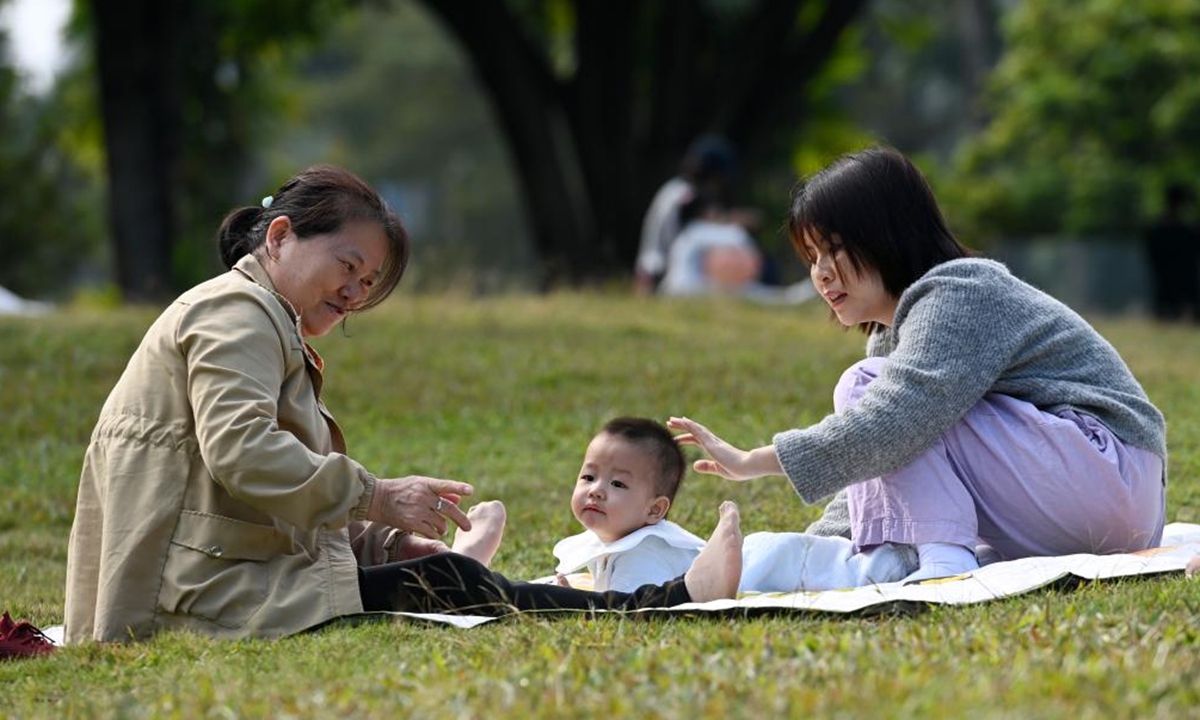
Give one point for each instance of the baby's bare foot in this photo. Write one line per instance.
(1193, 567)
(487, 528)
(717, 570)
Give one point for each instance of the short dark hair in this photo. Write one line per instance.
(710, 156)
(1177, 195)
(881, 207)
(656, 438)
(318, 201)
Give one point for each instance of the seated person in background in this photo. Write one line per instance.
(715, 255)
(630, 474)
(708, 167)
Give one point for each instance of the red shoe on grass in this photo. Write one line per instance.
(22, 639)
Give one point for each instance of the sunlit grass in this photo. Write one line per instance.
(505, 393)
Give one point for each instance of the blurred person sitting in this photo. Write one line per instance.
(708, 168)
(715, 255)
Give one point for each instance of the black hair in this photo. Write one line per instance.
(883, 213)
(319, 200)
(655, 437)
(696, 207)
(1177, 195)
(709, 156)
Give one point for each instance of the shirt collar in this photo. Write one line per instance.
(252, 269)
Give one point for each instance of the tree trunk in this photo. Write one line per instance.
(133, 40)
(768, 88)
(591, 149)
(535, 123)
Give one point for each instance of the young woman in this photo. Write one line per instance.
(216, 493)
(986, 412)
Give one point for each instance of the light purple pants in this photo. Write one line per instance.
(1008, 475)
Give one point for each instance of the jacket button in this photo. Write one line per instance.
(216, 551)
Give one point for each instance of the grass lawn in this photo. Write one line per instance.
(505, 393)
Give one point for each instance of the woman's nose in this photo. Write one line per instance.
(823, 268)
(354, 292)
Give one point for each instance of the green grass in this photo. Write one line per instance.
(505, 393)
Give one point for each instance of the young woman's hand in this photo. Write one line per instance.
(725, 460)
(420, 505)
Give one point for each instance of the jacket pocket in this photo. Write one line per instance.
(218, 568)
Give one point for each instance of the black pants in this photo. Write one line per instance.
(455, 584)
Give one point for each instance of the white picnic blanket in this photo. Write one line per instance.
(1181, 542)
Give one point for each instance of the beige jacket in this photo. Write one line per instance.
(216, 495)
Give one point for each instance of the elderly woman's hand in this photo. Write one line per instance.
(420, 505)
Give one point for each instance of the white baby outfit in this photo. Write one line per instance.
(771, 562)
(796, 562)
(648, 556)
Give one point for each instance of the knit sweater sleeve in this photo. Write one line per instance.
(835, 520)
(955, 331)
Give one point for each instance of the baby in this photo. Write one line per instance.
(630, 474)
(631, 471)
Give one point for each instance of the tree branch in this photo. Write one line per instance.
(777, 92)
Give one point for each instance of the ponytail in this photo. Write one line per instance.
(237, 236)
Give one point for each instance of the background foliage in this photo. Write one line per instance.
(1094, 109)
(264, 88)
(50, 217)
(387, 93)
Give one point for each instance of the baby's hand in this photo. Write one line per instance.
(561, 580)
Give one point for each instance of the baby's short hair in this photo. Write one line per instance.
(658, 440)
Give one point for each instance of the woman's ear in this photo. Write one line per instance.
(277, 231)
(659, 508)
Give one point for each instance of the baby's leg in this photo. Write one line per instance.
(716, 571)
(797, 562)
(487, 529)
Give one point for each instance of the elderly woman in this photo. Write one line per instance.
(216, 493)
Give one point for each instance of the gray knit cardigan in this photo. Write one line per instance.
(966, 328)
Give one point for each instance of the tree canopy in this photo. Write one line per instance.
(596, 101)
(1095, 109)
(183, 94)
(45, 215)
(1092, 110)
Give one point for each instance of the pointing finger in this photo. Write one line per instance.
(456, 515)
(448, 487)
